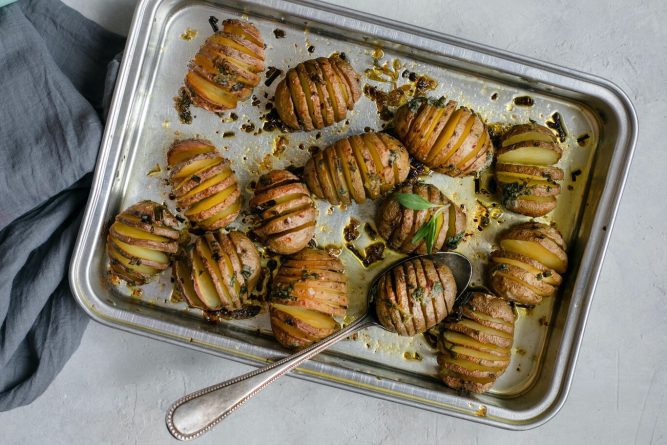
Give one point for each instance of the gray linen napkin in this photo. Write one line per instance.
(56, 69)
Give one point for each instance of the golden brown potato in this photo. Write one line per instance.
(226, 68)
(398, 224)
(203, 183)
(476, 349)
(317, 93)
(526, 182)
(287, 212)
(357, 167)
(218, 273)
(141, 242)
(528, 265)
(449, 139)
(415, 296)
(308, 290)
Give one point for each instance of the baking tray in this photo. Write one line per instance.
(142, 123)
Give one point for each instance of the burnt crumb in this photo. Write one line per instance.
(367, 129)
(417, 169)
(583, 139)
(351, 230)
(272, 264)
(604, 228)
(268, 106)
(234, 117)
(255, 101)
(213, 21)
(347, 122)
(372, 253)
(494, 96)
(296, 171)
(272, 74)
(279, 33)
(312, 243)
(556, 123)
(228, 134)
(370, 231)
(543, 321)
(272, 122)
(313, 149)
(477, 185)
(311, 49)
(343, 56)
(318, 135)
(248, 127)
(575, 174)
(524, 101)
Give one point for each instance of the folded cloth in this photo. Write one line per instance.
(54, 78)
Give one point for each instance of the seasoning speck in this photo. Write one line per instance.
(227, 134)
(279, 33)
(494, 96)
(524, 101)
(583, 139)
(575, 174)
(189, 34)
(311, 49)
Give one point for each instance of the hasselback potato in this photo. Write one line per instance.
(219, 272)
(317, 93)
(528, 265)
(443, 136)
(415, 296)
(203, 183)
(357, 167)
(141, 242)
(226, 68)
(309, 288)
(287, 212)
(526, 181)
(476, 349)
(398, 224)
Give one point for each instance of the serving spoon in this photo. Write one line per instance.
(194, 414)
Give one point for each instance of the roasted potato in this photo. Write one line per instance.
(443, 136)
(142, 241)
(308, 290)
(203, 183)
(317, 93)
(357, 167)
(398, 224)
(286, 210)
(528, 265)
(526, 181)
(218, 272)
(415, 296)
(226, 68)
(476, 348)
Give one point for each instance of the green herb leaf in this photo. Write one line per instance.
(414, 202)
(428, 232)
(423, 232)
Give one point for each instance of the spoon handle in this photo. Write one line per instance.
(196, 413)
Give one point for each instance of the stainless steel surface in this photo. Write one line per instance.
(194, 414)
(136, 137)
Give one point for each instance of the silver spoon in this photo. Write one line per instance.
(196, 413)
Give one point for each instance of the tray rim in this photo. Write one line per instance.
(453, 47)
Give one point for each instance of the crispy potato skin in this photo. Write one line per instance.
(317, 93)
(313, 280)
(231, 262)
(518, 277)
(475, 348)
(287, 212)
(208, 194)
(447, 138)
(141, 242)
(524, 188)
(398, 224)
(357, 168)
(415, 296)
(226, 68)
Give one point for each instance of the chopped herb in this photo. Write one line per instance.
(437, 288)
(418, 294)
(233, 281)
(309, 275)
(452, 242)
(511, 192)
(195, 178)
(246, 271)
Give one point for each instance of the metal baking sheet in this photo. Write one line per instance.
(142, 123)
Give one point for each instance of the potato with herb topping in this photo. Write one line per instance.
(142, 241)
(476, 347)
(443, 136)
(226, 68)
(204, 184)
(356, 168)
(317, 93)
(527, 181)
(415, 296)
(286, 210)
(529, 263)
(400, 223)
(218, 273)
(308, 290)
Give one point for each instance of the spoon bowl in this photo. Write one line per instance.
(196, 413)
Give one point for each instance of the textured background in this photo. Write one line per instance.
(117, 386)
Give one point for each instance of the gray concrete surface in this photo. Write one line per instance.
(117, 386)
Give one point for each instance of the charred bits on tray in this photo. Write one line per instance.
(182, 104)
(583, 139)
(556, 123)
(279, 33)
(272, 73)
(213, 21)
(351, 230)
(524, 101)
(373, 253)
